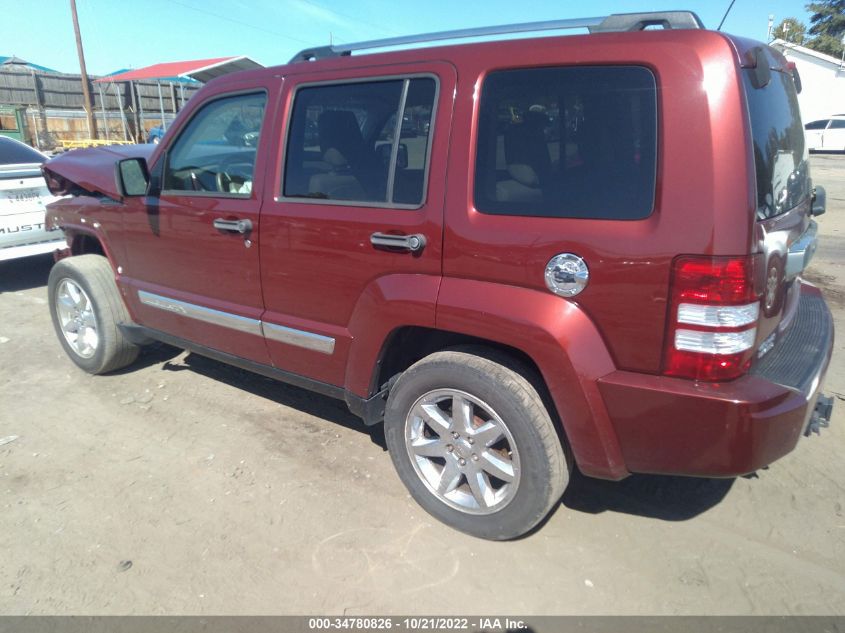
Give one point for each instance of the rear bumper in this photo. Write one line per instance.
(682, 427)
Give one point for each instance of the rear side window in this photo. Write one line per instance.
(14, 153)
(569, 142)
(361, 142)
(780, 155)
(837, 124)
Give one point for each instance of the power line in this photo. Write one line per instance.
(247, 24)
(351, 17)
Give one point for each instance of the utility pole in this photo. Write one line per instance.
(86, 93)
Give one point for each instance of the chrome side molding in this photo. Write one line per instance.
(201, 313)
(299, 338)
(287, 335)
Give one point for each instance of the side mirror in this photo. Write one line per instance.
(819, 201)
(133, 177)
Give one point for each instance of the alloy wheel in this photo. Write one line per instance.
(462, 451)
(76, 316)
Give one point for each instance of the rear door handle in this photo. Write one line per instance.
(233, 226)
(411, 243)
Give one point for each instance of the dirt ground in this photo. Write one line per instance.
(183, 486)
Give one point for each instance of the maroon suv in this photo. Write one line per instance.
(521, 255)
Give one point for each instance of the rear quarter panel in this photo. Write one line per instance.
(703, 202)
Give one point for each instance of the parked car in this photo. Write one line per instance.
(23, 196)
(622, 293)
(826, 134)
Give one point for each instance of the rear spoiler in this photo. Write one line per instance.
(763, 59)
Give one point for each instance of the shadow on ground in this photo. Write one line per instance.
(654, 496)
(295, 397)
(152, 354)
(25, 273)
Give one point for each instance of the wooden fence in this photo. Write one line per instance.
(55, 109)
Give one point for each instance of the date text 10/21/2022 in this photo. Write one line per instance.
(421, 623)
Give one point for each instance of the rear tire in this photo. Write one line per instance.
(87, 308)
(472, 441)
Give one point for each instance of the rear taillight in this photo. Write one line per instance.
(713, 313)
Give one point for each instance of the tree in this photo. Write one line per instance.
(790, 30)
(827, 24)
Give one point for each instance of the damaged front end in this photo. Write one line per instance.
(91, 171)
(89, 181)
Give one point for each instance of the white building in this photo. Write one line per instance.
(822, 80)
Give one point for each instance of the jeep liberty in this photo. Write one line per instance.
(521, 256)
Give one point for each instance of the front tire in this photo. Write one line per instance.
(86, 309)
(472, 441)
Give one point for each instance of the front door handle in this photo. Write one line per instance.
(411, 243)
(233, 226)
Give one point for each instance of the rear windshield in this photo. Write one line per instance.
(567, 142)
(13, 153)
(780, 156)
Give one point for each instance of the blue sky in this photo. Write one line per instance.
(124, 34)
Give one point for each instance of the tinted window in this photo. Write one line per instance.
(837, 124)
(567, 142)
(14, 153)
(216, 151)
(344, 142)
(817, 125)
(780, 157)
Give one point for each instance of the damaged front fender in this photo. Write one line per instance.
(90, 171)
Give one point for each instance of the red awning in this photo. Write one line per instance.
(200, 69)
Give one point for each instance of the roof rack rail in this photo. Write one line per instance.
(641, 21)
(615, 22)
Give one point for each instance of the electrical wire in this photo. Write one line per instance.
(350, 17)
(247, 24)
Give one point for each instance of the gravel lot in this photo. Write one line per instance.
(183, 486)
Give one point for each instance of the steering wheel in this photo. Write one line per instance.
(224, 181)
(232, 169)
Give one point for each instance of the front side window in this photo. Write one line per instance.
(216, 151)
(567, 142)
(360, 142)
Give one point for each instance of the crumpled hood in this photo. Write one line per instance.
(92, 170)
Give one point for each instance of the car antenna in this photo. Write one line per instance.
(724, 17)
